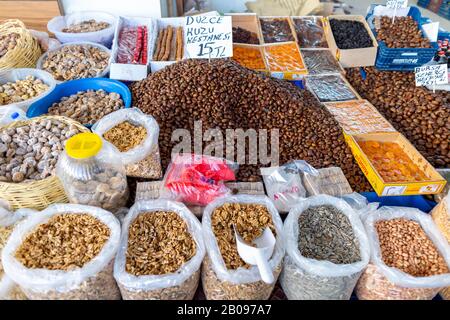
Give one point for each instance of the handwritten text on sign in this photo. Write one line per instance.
(431, 75)
(396, 4)
(209, 37)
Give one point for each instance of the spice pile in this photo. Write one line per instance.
(418, 113)
(31, 151)
(64, 242)
(133, 45)
(87, 107)
(225, 95)
(86, 26)
(125, 136)
(405, 245)
(169, 45)
(404, 33)
(276, 30)
(250, 221)
(21, 90)
(391, 162)
(158, 243)
(325, 233)
(350, 34)
(241, 35)
(76, 61)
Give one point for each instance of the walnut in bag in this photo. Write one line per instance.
(135, 135)
(79, 242)
(161, 252)
(225, 276)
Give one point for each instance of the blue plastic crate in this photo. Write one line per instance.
(402, 59)
(423, 3)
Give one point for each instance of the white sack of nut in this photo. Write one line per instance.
(410, 258)
(135, 135)
(64, 252)
(225, 276)
(161, 252)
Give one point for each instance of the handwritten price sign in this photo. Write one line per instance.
(431, 75)
(396, 4)
(209, 37)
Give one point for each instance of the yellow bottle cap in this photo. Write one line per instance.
(83, 145)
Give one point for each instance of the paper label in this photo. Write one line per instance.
(431, 75)
(208, 37)
(394, 191)
(396, 4)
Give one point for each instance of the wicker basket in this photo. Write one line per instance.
(36, 194)
(27, 50)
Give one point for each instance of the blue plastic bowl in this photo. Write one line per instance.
(68, 88)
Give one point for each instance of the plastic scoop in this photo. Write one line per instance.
(258, 255)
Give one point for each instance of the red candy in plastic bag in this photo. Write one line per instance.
(196, 179)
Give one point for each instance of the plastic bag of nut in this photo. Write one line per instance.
(224, 275)
(8, 221)
(403, 242)
(135, 134)
(159, 279)
(334, 275)
(441, 216)
(70, 270)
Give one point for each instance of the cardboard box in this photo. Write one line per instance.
(343, 79)
(434, 185)
(160, 24)
(131, 72)
(247, 21)
(291, 27)
(325, 26)
(293, 75)
(359, 117)
(349, 58)
(256, 47)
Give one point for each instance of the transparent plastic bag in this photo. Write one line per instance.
(143, 161)
(98, 181)
(276, 30)
(284, 184)
(441, 216)
(380, 282)
(320, 62)
(329, 88)
(220, 283)
(180, 285)
(329, 181)
(8, 221)
(310, 32)
(309, 279)
(197, 179)
(104, 37)
(93, 281)
(20, 74)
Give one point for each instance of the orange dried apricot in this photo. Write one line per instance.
(391, 162)
(285, 57)
(249, 57)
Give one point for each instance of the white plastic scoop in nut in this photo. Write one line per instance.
(259, 254)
